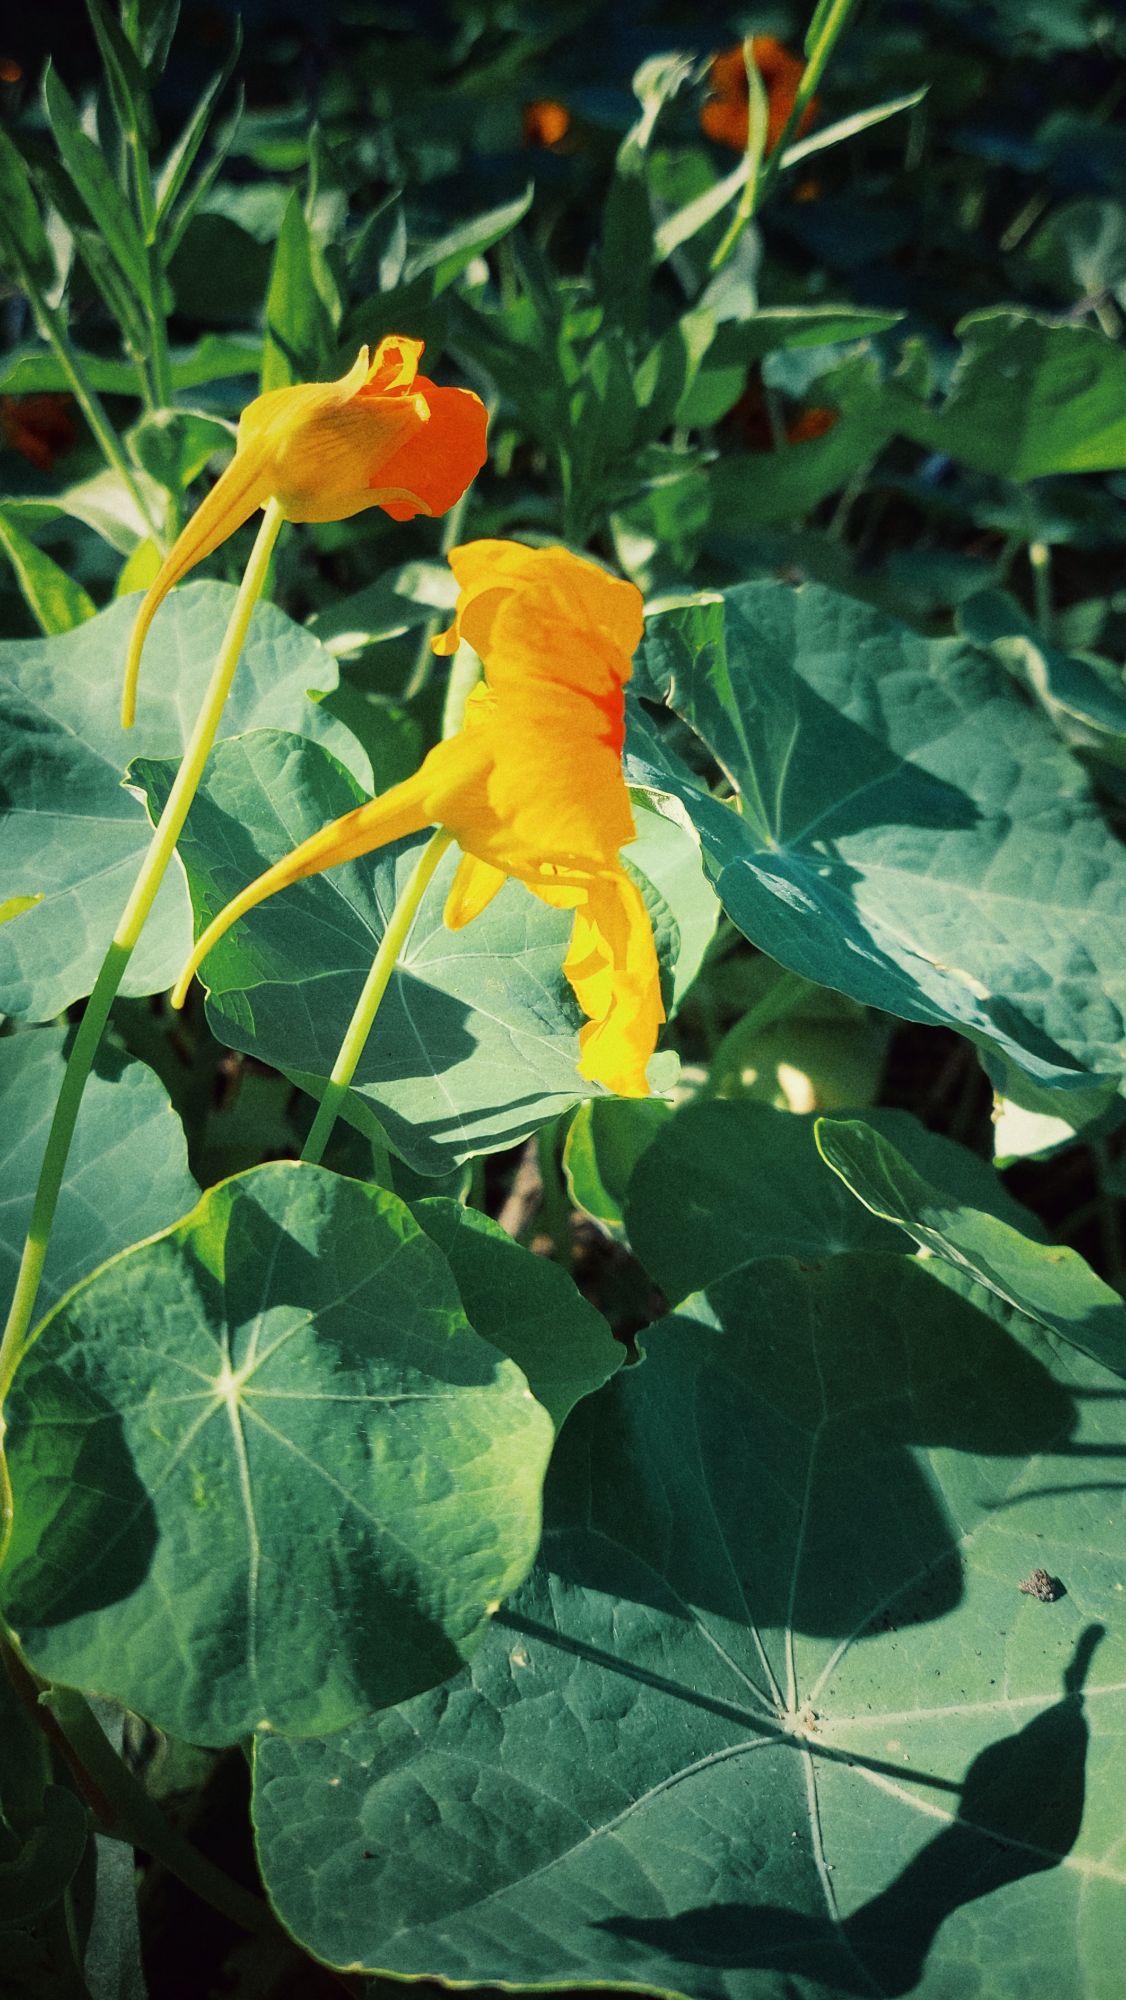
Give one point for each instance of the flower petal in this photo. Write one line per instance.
(394, 366)
(400, 811)
(472, 890)
(434, 467)
(325, 467)
(612, 966)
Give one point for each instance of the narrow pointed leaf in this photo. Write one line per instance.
(1048, 1281)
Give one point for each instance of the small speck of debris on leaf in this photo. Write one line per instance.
(1040, 1584)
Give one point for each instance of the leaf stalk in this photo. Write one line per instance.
(371, 999)
(80, 1061)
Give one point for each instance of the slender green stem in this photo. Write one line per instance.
(555, 1208)
(375, 986)
(52, 326)
(146, 216)
(119, 1802)
(760, 180)
(121, 949)
(160, 362)
(758, 119)
(451, 533)
(1040, 563)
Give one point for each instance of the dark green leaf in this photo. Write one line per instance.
(215, 358)
(525, 1305)
(301, 305)
(102, 198)
(182, 157)
(774, 1715)
(446, 258)
(23, 239)
(736, 344)
(195, 197)
(1085, 699)
(604, 1143)
(55, 600)
(724, 1184)
(1029, 397)
(126, 79)
(752, 489)
(150, 26)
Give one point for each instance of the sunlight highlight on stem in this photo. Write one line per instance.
(141, 899)
(370, 1000)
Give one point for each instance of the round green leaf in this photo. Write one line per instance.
(774, 1715)
(525, 1305)
(723, 1184)
(265, 1473)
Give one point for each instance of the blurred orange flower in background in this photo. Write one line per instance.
(382, 436)
(40, 428)
(725, 116)
(531, 787)
(545, 122)
(811, 423)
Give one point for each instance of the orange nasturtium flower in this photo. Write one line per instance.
(41, 428)
(531, 786)
(383, 436)
(725, 116)
(544, 122)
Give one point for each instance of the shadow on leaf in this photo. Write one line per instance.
(1019, 1813)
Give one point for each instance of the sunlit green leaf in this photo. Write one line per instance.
(127, 1172)
(911, 832)
(70, 832)
(476, 1041)
(1030, 396)
(297, 1496)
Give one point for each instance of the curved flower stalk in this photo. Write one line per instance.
(531, 787)
(382, 436)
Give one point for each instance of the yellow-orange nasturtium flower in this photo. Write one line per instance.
(382, 436)
(531, 787)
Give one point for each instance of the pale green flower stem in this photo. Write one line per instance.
(370, 1000)
(829, 19)
(92, 1025)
